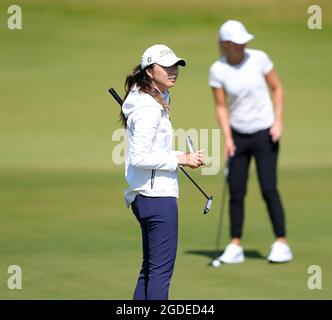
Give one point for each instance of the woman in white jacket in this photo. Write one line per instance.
(151, 167)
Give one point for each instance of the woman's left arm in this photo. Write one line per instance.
(277, 92)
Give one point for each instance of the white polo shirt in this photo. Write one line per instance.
(250, 105)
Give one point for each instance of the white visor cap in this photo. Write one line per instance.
(234, 31)
(162, 55)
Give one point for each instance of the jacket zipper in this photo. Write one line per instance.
(153, 173)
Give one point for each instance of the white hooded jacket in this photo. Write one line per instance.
(151, 165)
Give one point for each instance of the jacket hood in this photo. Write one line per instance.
(136, 100)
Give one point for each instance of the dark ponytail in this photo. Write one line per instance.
(143, 82)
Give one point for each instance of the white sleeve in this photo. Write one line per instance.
(266, 63)
(214, 78)
(146, 122)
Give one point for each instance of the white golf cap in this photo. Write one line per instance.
(162, 55)
(234, 31)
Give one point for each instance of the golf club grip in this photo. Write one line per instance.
(227, 167)
(190, 145)
(115, 96)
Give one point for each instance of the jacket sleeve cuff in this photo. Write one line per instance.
(174, 159)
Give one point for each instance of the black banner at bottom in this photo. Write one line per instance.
(177, 309)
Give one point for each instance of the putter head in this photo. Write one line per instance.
(208, 205)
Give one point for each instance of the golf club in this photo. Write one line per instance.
(216, 262)
(191, 150)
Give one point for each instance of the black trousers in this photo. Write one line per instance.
(265, 152)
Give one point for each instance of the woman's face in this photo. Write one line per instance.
(232, 49)
(163, 77)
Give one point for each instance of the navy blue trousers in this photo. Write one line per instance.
(158, 218)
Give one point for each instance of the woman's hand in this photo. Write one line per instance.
(276, 131)
(229, 148)
(192, 160)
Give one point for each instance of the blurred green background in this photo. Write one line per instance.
(62, 214)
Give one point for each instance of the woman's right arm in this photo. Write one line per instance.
(223, 118)
(146, 122)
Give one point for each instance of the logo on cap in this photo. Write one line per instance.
(165, 52)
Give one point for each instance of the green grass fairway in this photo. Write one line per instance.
(62, 213)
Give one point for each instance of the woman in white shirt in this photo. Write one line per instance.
(151, 167)
(252, 126)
